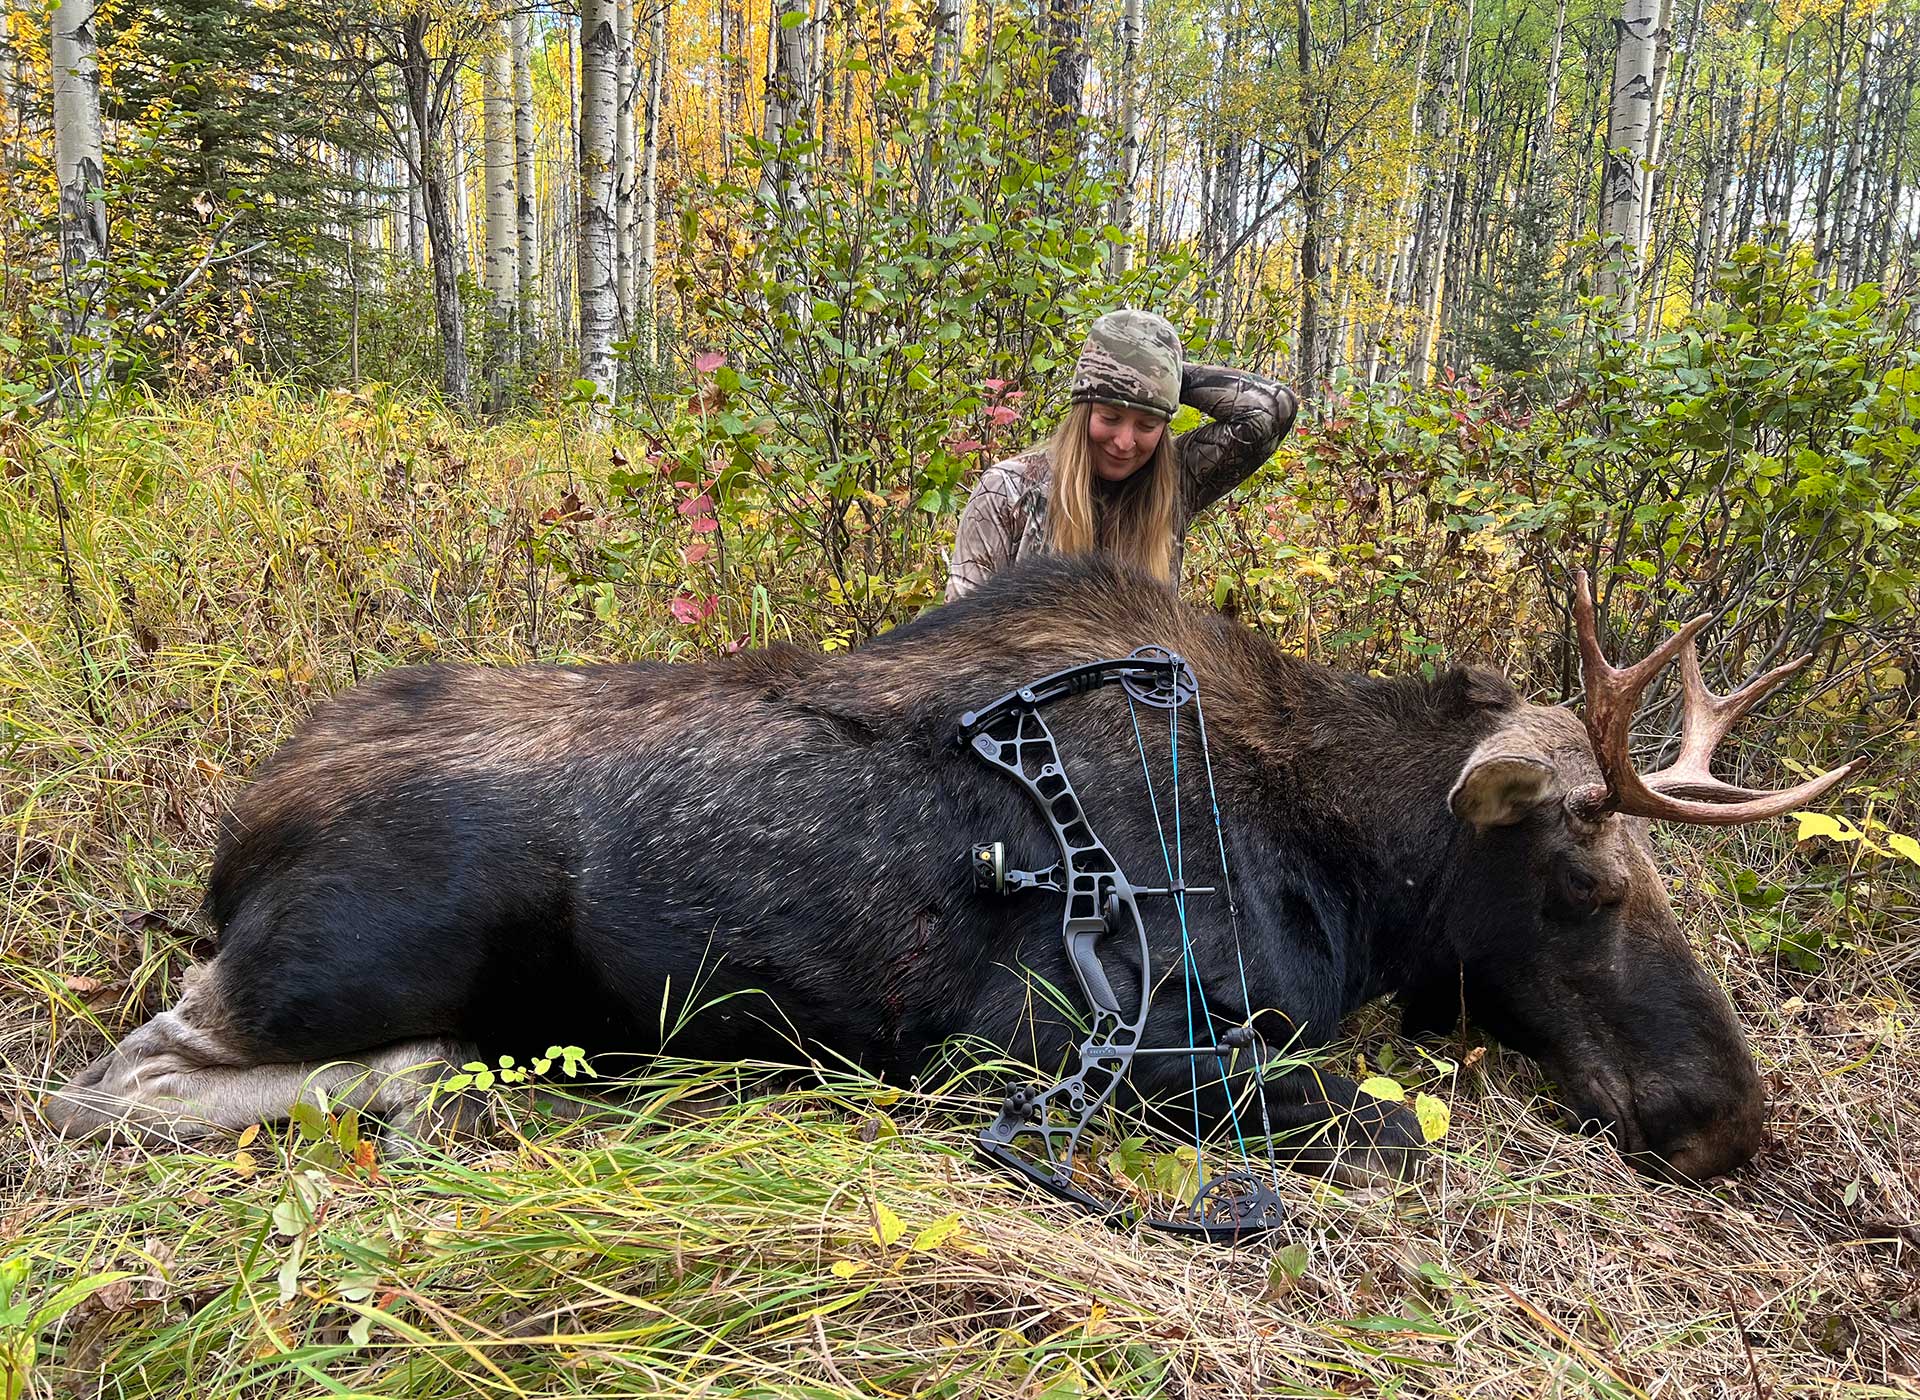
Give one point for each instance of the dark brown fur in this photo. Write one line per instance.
(515, 858)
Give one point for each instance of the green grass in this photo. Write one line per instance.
(730, 1230)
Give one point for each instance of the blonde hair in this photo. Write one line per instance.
(1134, 521)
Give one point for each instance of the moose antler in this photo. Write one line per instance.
(1685, 790)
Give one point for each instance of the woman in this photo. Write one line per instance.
(1111, 477)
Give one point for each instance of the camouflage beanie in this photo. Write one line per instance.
(1133, 359)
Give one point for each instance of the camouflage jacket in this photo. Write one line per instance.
(1006, 515)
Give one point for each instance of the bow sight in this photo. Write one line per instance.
(1103, 904)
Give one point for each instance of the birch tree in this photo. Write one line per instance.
(79, 165)
(598, 272)
(1132, 30)
(623, 162)
(789, 121)
(646, 309)
(1622, 183)
(526, 212)
(500, 272)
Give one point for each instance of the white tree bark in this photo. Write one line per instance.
(416, 200)
(783, 181)
(646, 307)
(599, 294)
(623, 163)
(78, 162)
(1650, 178)
(500, 271)
(1132, 32)
(526, 216)
(1622, 183)
(1432, 273)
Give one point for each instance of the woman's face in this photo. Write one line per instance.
(1123, 439)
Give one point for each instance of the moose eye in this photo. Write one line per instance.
(1583, 890)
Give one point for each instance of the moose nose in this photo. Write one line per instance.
(1699, 1145)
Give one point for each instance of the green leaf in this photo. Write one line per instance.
(1289, 1261)
(1382, 1087)
(311, 1122)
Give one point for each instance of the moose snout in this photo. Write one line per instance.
(1682, 1132)
(1705, 1139)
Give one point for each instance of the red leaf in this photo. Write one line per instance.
(960, 447)
(994, 386)
(701, 504)
(690, 610)
(705, 525)
(695, 552)
(1002, 415)
(707, 361)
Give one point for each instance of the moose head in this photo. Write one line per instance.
(1581, 962)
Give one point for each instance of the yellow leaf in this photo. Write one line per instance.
(937, 1233)
(1434, 1116)
(243, 1164)
(1906, 846)
(247, 1136)
(1382, 1087)
(887, 1227)
(847, 1268)
(1814, 824)
(1316, 568)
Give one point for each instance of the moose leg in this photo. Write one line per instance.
(1323, 1124)
(184, 1076)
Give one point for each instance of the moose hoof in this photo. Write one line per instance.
(1372, 1144)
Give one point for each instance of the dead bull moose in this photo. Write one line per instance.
(451, 856)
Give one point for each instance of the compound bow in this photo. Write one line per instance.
(1101, 902)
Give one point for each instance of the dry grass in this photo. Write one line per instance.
(231, 562)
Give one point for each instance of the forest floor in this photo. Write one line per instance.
(203, 576)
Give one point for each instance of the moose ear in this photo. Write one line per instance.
(1498, 789)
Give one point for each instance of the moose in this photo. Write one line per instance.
(771, 848)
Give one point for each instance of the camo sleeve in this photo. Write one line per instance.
(988, 535)
(1251, 415)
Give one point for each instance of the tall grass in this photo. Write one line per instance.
(180, 582)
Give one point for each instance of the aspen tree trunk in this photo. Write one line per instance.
(1433, 270)
(1132, 31)
(500, 269)
(943, 24)
(626, 76)
(647, 308)
(416, 200)
(80, 169)
(789, 116)
(418, 75)
(526, 203)
(462, 196)
(1542, 172)
(1712, 178)
(598, 274)
(1403, 209)
(1651, 178)
(1829, 144)
(1621, 186)
(1659, 221)
(1847, 219)
(1066, 72)
(1311, 210)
